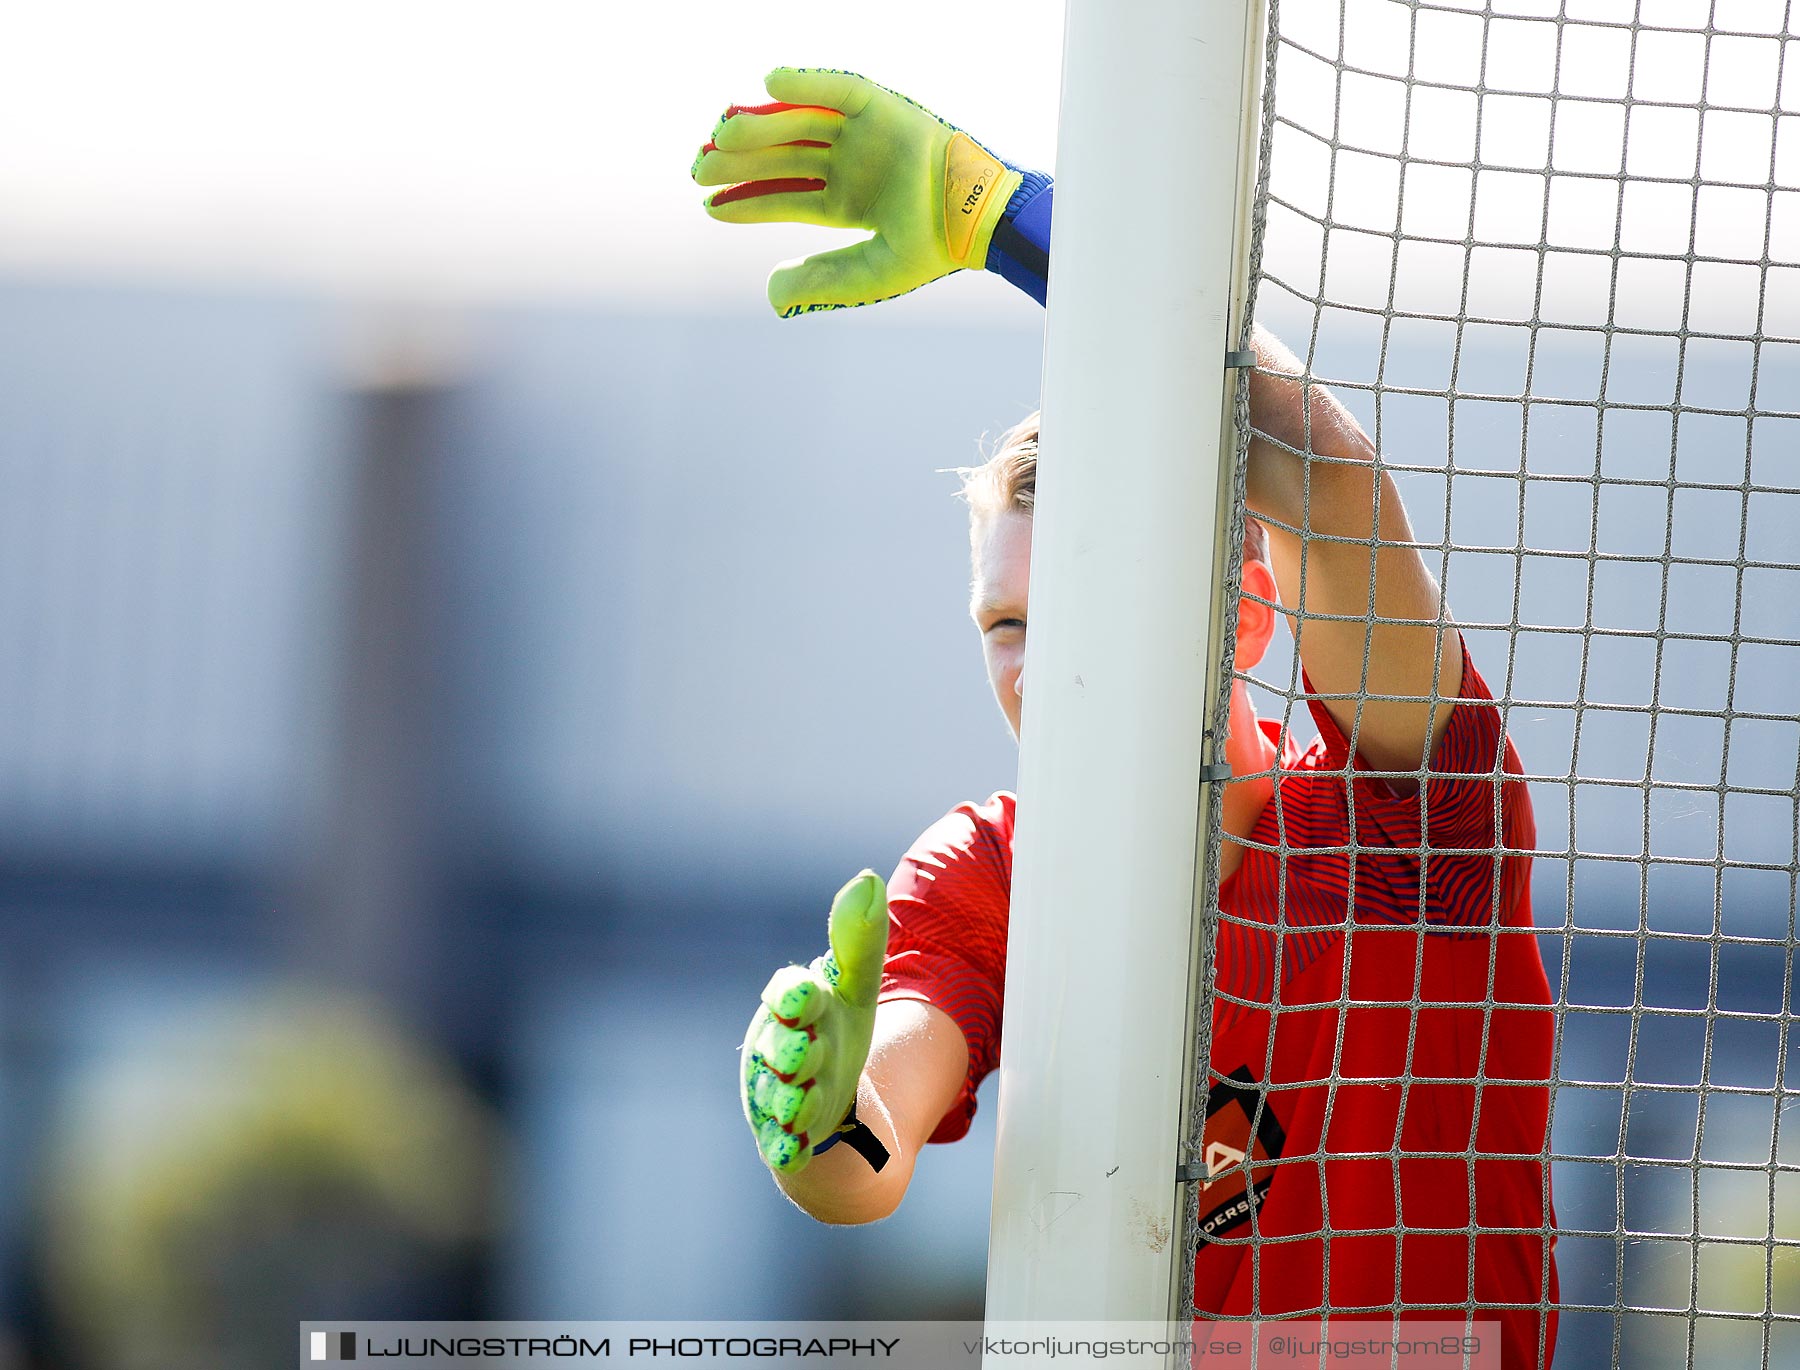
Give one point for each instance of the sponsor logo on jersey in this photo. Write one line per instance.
(1241, 1131)
(1219, 1159)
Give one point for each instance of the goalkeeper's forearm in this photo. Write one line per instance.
(1292, 425)
(915, 1070)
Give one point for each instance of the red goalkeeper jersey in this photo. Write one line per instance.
(1334, 1126)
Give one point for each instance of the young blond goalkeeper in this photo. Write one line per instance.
(1415, 1136)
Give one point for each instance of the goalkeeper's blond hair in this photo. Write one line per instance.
(1007, 482)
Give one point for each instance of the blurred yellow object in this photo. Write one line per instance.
(298, 1156)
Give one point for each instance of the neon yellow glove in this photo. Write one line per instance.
(839, 150)
(804, 1053)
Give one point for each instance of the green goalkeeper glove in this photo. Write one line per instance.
(804, 1053)
(839, 150)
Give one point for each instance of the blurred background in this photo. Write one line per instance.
(457, 639)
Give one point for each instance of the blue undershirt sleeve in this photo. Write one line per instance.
(1020, 248)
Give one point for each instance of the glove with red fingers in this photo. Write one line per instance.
(803, 1055)
(839, 150)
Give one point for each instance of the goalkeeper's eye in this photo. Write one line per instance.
(1005, 623)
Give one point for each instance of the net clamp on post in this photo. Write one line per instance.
(1189, 1171)
(1234, 360)
(1215, 773)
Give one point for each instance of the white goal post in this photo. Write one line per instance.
(1147, 271)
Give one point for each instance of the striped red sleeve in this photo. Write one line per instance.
(1467, 768)
(947, 910)
(1469, 803)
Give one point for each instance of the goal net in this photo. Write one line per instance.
(1548, 253)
